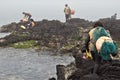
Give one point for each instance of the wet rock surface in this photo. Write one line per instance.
(51, 34)
(55, 34)
(56, 27)
(83, 70)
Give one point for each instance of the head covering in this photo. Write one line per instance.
(66, 5)
(98, 23)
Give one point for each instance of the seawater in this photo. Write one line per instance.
(27, 64)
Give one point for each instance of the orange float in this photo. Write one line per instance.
(72, 12)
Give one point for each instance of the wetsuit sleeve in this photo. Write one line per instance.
(85, 46)
(87, 42)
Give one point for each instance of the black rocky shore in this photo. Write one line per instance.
(55, 33)
(66, 37)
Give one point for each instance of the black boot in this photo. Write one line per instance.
(95, 69)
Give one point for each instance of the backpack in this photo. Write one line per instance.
(106, 46)
(95, 34)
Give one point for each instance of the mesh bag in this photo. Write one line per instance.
(107, 49)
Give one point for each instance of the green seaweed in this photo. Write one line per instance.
(24, 44)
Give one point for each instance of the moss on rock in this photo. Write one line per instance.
(24, 44)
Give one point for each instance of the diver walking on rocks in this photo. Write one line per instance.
(100, 44)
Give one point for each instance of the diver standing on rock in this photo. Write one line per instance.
(67, 12)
